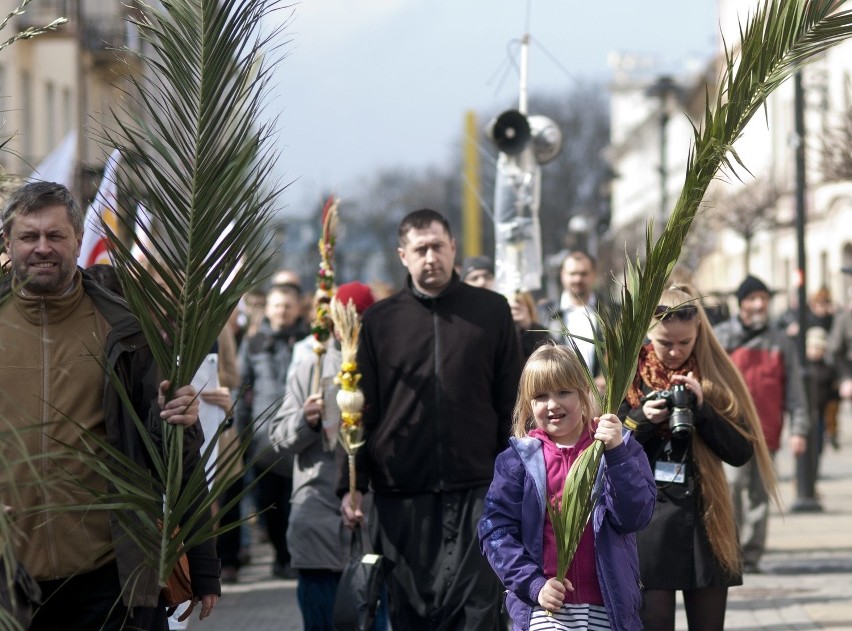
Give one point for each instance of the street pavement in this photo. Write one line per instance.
(805, 580)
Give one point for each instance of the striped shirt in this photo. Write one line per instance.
(571, 618)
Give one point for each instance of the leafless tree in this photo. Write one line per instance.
(571, 184)
(747, 212)
(836, 143)
(378, 208)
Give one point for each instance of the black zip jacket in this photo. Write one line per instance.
(127, 353)
(440, 376)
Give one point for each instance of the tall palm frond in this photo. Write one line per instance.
(778, 39)
(194, 152)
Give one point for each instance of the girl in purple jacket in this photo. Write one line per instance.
(553, 423)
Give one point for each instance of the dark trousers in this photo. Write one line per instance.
(228, 543)
(90, 602)
(441, 581)
(316, 592)
(273, 498)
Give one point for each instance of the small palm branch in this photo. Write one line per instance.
(20, 467)
(350, 398)
(780, 37)
(201, 162)
(6, 180)
(29, 33)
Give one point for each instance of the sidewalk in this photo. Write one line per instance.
(805, 584)
(807, 571)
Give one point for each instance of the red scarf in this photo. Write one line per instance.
(653, 373)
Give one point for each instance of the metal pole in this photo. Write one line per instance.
(471, 212)
(663, 89)
(525, 56)
(806, 464)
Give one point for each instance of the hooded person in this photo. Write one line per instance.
(358, 293)
(478, 271)
(302, 427)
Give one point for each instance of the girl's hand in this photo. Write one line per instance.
(692, 384)
(552, 595)
(609, 431)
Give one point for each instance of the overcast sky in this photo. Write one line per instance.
(373, 84)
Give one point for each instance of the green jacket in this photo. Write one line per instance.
(126, 352)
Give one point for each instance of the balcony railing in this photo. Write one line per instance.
(43, 12)
(99, 34)
(106, 36)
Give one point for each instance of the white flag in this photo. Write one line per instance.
(95, 247)
(58, 165)
(144, 225)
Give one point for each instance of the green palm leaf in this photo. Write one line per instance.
(779, 38)
(195, 155)
(136, 497)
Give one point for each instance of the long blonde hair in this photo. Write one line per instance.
(550, 367)
(726, 392)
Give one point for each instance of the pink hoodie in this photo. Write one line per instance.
(582, 572)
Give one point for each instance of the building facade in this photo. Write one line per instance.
(63, 84)
(747, 222)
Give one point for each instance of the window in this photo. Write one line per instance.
(50, 107)
(27, 130)
(67, 111)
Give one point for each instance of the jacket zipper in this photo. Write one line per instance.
(50, 534)
(439, 446)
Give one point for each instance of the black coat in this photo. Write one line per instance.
(127, 354)
(263, 360)
(674, 550)
(532, 338)
(440, 377)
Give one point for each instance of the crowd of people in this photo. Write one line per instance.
(476, 406)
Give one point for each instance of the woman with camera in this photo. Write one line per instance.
(691, 411)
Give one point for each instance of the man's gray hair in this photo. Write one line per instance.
(37, 195)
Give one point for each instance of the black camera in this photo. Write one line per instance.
(680, 400)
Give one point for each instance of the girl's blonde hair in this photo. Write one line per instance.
(726, 391)
(549, 368)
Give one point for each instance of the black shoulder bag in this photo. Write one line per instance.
(360, 588)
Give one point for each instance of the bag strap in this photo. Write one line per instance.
(356, 547)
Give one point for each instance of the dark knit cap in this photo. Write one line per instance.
(749, 285)
(472, 263)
